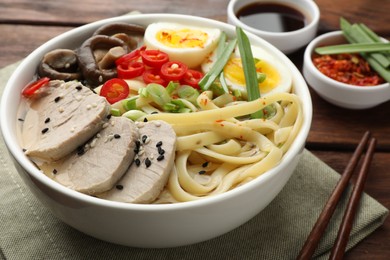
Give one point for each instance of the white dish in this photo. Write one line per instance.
(287, 42)
(152, 226)
(335, 92)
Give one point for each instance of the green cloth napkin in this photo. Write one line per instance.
(30, 231)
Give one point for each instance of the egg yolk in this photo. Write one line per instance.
(183, 38)
(235, 73)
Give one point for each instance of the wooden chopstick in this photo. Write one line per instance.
(322, 222)
(346, 224)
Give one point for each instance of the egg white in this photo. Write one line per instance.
(279, 72)
(191, 56)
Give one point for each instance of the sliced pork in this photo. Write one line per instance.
(149, 173)
(99, 164)
(65, 117)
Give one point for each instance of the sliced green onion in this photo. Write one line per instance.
(171, 87)
(221, 44)
(261, 77)
(223, 82)
(218, 66)
(174, 106)
(219, 52)
(217, 88)
(134, 114)
(249, 67)
(353, 48)
(188, 93)
(170, 107)
(184, 110)
(130, 103)
(143, 92)
(238, 94)
(158, 94)
(115, 112)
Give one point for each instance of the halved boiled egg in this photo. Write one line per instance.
(278, 77)
(186, 43)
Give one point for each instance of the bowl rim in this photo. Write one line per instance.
(313, 23)
(15, 150)
(309, 65)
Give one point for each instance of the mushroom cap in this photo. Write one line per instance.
(61, 64)
(93, 74)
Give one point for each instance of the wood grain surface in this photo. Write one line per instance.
(26, 24)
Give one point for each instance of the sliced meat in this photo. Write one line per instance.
(99, 164)
(67, 116)
(149, 173)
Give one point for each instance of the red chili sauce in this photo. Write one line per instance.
(351, 69)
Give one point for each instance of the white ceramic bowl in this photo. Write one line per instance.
(335, 92)
(137, 225)
(287, 42)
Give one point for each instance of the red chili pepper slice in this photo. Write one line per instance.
(114, 90)
(129, 70)
(154, 58)
(31, 88)
(192, 78)
(153, 76)
(173, 70)
(131, 56)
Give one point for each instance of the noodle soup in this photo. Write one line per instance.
(216, 142)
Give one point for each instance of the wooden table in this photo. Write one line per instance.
(25, 24)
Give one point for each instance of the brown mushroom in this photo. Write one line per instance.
(60, 64)
(132, 34)
(89, 62)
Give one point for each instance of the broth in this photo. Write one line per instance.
(271, 17)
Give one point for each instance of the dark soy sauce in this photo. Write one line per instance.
(271, 17)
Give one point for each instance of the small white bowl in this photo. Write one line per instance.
(335, 92)
(151, 226)
(287, 42)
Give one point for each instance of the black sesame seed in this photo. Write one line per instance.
(54, 171)
(24, 149)
(21, 119)
(144, 137)
(154, 112)
(137, 162)
(47, 120)
(202, 172)
(137, 146)
(79, 87)
(159, 144)
(147, 162)
(119, 187)
(205, 164)
(57, 99)
(145, 119)
(109, 116)
(80, 150)
(160, 150)
(160, 157)
(117, 136)
(44, 130)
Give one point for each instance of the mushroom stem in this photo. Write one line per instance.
(108, 60)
